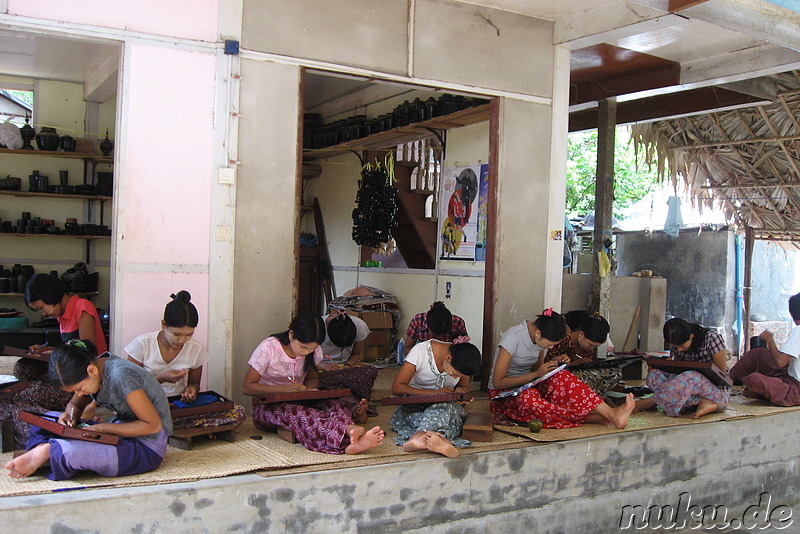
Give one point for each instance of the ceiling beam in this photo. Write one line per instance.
(666, 75)
(609, 23)
(692, 102)
(679, 5)
(101, 83)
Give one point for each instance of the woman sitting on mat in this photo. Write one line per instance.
(676, 392)
(142, 418)
(287, 362)
(176, 361)
(560, 401)
(434, 367)
(344, 340)
(585, 332)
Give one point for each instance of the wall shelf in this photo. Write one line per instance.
(74, 236)
(28, 194)
(403, 134)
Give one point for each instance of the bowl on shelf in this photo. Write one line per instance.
(48, 139)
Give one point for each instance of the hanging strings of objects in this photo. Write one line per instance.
(376, 205)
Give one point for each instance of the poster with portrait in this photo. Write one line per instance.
(459, 212)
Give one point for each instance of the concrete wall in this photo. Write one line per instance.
(572, 486)
(699, 268)
(627, 292)
(773, 281)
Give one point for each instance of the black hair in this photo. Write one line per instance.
(306, 327)
(552, 325)
(180, 311)
(68, 362)
(439, 318)
(45, 287)
(575, 318)
(677, 332)
(466, 358)
(794, 307)
(342, 330)
(595, 327)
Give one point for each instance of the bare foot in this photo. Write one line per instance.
(360, 411)
(617, 416)
(361, 439)
(436, 443)
(705, 407)
(27, 464)
(644, 404)
(415, 443)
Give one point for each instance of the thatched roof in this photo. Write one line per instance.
(746, 161)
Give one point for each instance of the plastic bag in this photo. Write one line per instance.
(10, 137)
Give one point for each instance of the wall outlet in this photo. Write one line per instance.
(223, 233)
(226, 176)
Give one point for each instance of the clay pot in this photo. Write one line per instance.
(47, 139)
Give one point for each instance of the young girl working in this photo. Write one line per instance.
(287, 361)
(176, 360)
(675, 392)
(433, 367)
(585, 332)
(77, 319)
(342, 348)
(561, 401)
(142, 418)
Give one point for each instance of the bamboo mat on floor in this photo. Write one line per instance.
(738, 408)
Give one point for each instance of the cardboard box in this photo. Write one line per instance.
(376, 320)
(377, 345)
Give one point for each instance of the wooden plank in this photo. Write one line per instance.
(716, 375)
(10, 388)
(316, 394)
(51, 424)
(492, 241)
(222, 404)
(634, 322)
(426, 399)
(478, 427)
(184, 438)
(680, 5)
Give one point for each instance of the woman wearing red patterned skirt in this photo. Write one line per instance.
(560, 401)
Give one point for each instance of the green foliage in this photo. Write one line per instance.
(632, 179)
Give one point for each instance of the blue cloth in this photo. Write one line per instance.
(674, 218)
(201, 400)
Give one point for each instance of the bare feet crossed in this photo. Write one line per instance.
(362, 439)
(705, 407)
(360, 411)
(435, 442)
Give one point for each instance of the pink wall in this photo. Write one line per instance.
(190, 19)
(168, 131)
(167, 168)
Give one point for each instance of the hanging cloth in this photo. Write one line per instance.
(674, 218)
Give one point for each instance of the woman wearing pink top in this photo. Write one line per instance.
(287, 362)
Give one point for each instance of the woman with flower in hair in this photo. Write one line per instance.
(560, 401)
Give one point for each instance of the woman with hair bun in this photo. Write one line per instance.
(585, 332)
(176, 360)
(342, 349)
(560, 401)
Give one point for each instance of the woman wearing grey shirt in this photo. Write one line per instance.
(142, 418)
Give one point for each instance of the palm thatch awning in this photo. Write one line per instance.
(746, 161)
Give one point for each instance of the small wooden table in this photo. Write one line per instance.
(183, 438)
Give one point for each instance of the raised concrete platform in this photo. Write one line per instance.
(577, 487)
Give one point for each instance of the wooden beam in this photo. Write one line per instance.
(679, 5)
(694, 101)
(489, 341)
(603, 203)
(666, 75)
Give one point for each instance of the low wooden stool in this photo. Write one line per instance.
(6, 435)
(478, 427)
(182, 438)
(283, 433)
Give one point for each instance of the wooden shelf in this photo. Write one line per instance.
(92, 294)
(24, 194)
(74, 236)
(403, 134)
(52, 153)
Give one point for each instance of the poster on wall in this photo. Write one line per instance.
(460, 212)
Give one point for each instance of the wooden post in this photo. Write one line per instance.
(603, 201)
(749, 243)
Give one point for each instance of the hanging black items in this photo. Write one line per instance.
(376, 205)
